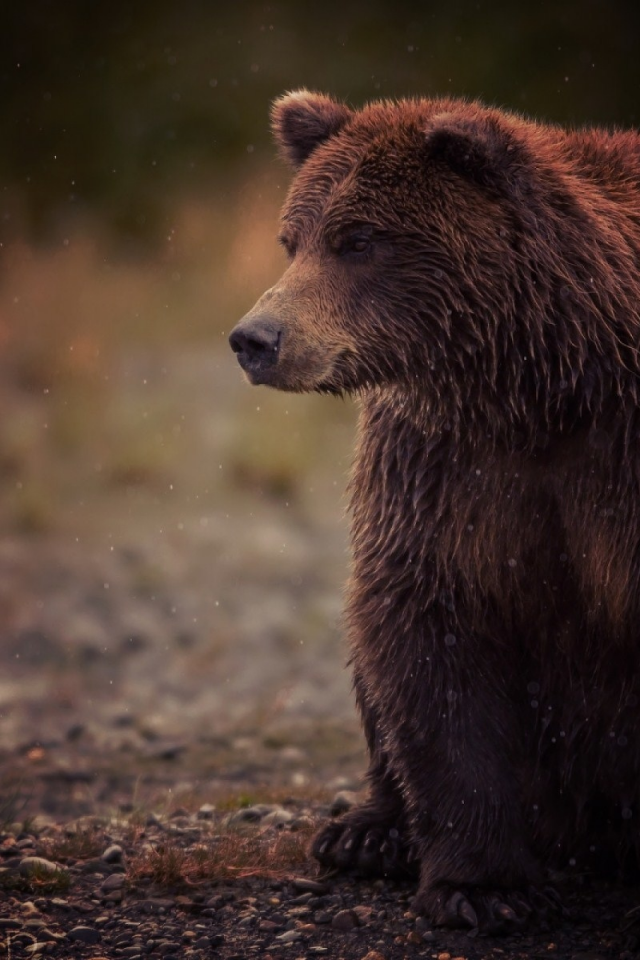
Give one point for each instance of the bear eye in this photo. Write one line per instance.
(289, 245)
(360, 244)
(355, 243)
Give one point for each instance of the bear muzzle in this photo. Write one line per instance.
(256, 342)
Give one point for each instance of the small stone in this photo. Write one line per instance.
(303, 884)
(96, 866)
(322, 916)
(113, 854)
(84, 935)
(6, 923)
(60, 903)
(278, 817)
(343, 801)
(300, 911)
(374, 955)
(301, 823)
(268, 926)
(29, 909)
(251, 814)
(363, 913)
(414, 937)
(115, 881)
(114, 896)
(345, 920)
(168, 948)
(156, 905)
(206, 811)
(202, 943)
(30, 865)
(84, 906)
(168, 751)
(25, 844)
(289, 936)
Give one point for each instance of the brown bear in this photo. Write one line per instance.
(473, 278)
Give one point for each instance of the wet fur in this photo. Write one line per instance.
(493, 606)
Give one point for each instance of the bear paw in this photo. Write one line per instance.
(495, 912)
(357, 842)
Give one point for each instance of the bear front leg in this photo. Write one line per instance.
(372, 838)
(457, 754)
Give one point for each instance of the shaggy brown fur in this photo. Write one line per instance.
(473, 278)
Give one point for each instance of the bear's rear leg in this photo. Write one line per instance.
(494, 912)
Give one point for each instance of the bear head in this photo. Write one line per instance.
(426, 242)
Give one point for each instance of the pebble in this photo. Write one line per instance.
(167, 947)
(322, 916)
(343, 801)
(206, 811)
(374, 955)
(252, 814)
(345, 920)
(289, 936)
(96, 866)
(278, 817)
(113, 854)
(61, 903)
(24, 844)
(29, 865)
(84, 935)
(312, 886)
(156, 905)
(114, 882)
(29, 908)
(363, 913)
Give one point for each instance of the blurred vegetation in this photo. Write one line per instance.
(114, 108)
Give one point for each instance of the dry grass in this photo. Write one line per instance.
(226, 856)
(37, 881)
(80, 844)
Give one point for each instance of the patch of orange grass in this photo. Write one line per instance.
(75, 844)
(268, 854)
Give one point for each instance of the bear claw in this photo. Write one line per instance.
(354, 844)
(494, 913)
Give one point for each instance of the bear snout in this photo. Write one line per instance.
(256, 343)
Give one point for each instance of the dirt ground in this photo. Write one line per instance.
(172, 656)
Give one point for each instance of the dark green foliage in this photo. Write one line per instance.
(111, 108)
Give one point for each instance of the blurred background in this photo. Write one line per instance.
(173, 541)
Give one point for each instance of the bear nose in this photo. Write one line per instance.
(256, 340)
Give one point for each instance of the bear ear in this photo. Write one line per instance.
(479, 150)
(302, 120)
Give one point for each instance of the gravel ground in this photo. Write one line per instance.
(175, 718)
(99, 896)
